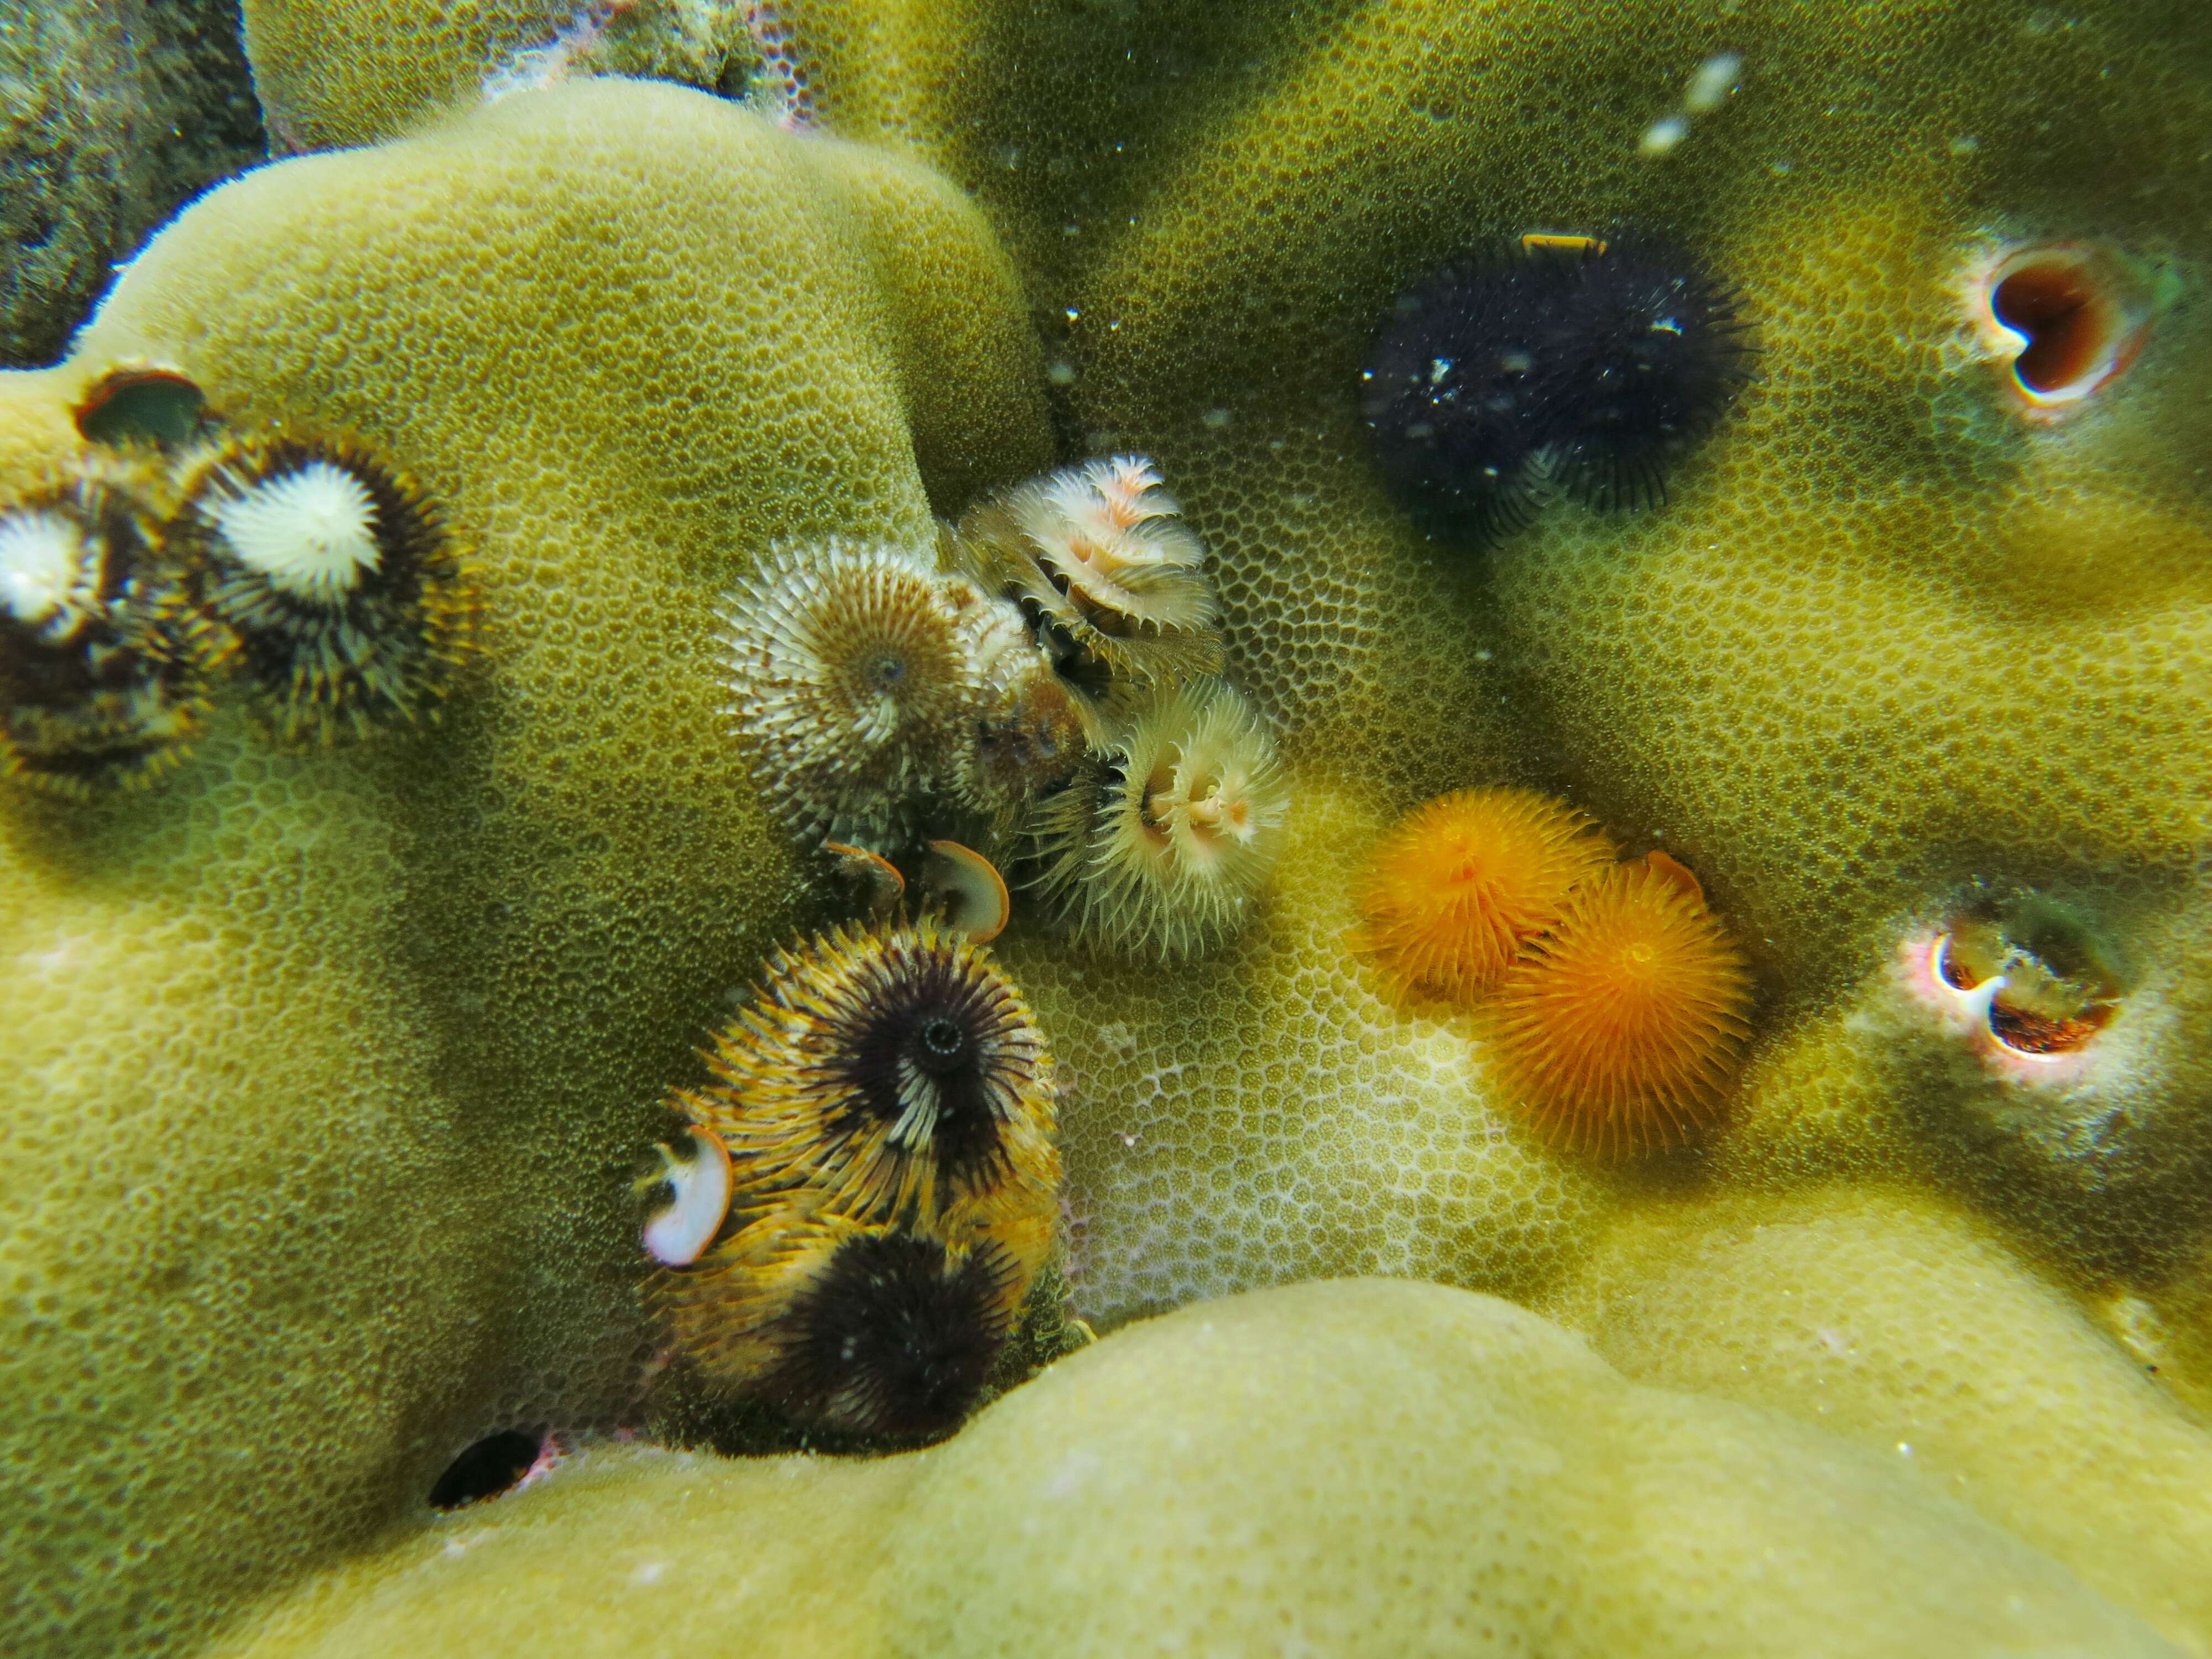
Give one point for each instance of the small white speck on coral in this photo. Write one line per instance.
(1714, 83)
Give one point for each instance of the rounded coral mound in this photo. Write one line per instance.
(1330, 1129)
(1456, 890)
(1893, 1320)
(1641, 1521)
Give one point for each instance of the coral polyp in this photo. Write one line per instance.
(1588, 364)
(897, 1073)
(1454, 891)
(104, 663)
(1160, 847)
(853, 685)
(337, 575)
(1618, 1030)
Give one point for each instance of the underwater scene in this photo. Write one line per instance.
(950, 827)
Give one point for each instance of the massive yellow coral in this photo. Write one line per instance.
(2098, 1157)
(1828, 669)
(1908, 1327)
(1358, 1468)
(327, 1076)
(1894, 645)
(1895, 649)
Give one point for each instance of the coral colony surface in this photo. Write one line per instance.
(946, 827)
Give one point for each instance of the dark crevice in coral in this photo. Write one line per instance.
(493, 1465)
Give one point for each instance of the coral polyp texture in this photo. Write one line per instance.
(320, 991)
(1904, 1325)
(1645, 1521)
(1328, 1129)
(331, 76)
(1885, 614)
